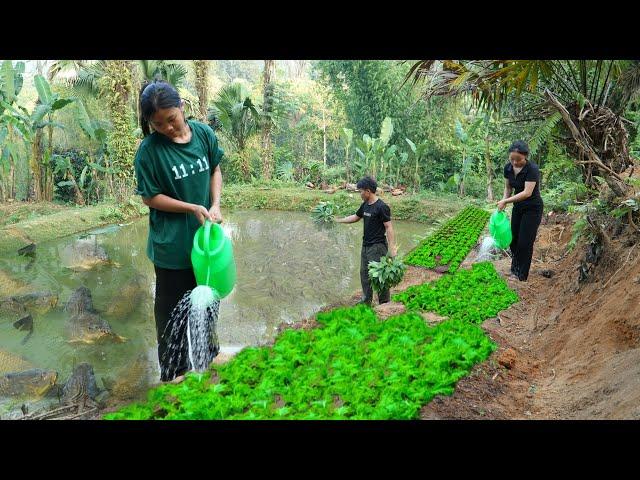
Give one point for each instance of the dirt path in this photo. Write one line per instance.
(566, 351)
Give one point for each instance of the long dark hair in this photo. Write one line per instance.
(154, 96)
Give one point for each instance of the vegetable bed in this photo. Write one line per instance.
(450, 244)
(469, 295)
(354, 366)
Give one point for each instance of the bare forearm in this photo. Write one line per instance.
(167, 204)
(507, 193)
(391, 238)
(349, 219)
(518, 197)
(216, 186)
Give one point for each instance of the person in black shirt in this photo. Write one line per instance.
(377, 229)
(523, 176)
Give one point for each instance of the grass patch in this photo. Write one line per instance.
(15, 212)
(65, 221)
(424, 207)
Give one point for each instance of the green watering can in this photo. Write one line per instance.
(500, 229)
(212, 259)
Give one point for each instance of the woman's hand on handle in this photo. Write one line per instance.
(201, 214)
(501, 205)
(216, 214)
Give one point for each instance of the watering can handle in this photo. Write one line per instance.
(207, 236)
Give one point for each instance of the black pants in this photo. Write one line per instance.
(171, 329)
(371, 253)
(524, 228)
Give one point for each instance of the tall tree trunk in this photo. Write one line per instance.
(487, 157)
(48, 187)
(300, 67)
(35, 181)
(12, 169)
(201, 68)
(461, 186)
(136, 85)
(109, 177)
(121, 143)
(79, 197)
(267, 109)
(324, 139)
(12, 180)
(347, 164)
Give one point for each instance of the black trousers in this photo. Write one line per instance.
(371, 253)
(171, 328)
(524, 228)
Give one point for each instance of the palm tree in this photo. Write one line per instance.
(65, 68)
(589, 96)
(86, 82)
(15, 124)
(173, 72)
(238, 117)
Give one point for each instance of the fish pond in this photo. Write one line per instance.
(288, 268)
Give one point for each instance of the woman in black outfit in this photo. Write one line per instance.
(523, 176)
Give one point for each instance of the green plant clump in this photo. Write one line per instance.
(387, 273)
(450, 244)
(352, 367)
(469, 295)
(324, 213)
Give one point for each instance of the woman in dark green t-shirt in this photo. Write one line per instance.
(178, 176)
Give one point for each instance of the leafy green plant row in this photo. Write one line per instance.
(354, 366)
(450, 244)
(468, 295)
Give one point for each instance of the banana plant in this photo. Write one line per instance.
(388, 160)
(48, 103)
(91, 171)
(14, 125)
(400, 164)
(418, 152)
(365, 154)
(373, 151)
(466, 161)
(63, 165)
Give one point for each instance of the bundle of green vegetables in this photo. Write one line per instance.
(324, 213)
(386, 273)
